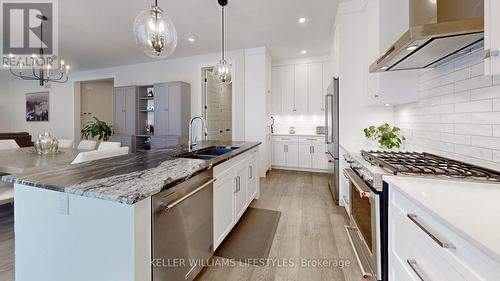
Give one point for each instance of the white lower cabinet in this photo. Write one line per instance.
(421, 247)
(236, 185)
(300, 152)
(223, 207)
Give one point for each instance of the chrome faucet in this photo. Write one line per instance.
(192, 144)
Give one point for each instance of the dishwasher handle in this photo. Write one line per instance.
(169, 207)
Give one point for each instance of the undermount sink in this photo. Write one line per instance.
(207, 153)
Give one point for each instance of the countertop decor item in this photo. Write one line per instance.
(40, 65)
(291, 130)
(386, 136)
(46, 144)
(321, 130)
(97, 128)
(155, 32)
(222, 71)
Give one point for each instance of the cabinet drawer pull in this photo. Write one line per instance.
(312, 139)
(414, 266)
(441, 243)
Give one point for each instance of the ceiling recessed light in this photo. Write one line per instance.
(412, 48)
(303, 52)
(384, 67)
(302, 20)
(191, 39)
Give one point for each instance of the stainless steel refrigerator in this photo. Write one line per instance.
(332, 135)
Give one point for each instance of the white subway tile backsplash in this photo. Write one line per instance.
(496, 105)
(474, 130)
(457, 118)
(485, 118)
(496, 156)
(496, 79)
(458, 111)
(455, 98)
(474, 106)
(496, 131)
(474, 83)
(485, 142)
(476, 152)
(458, 139)
(485, 93)
(477, 70)
(456, 76)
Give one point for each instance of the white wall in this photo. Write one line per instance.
(64, 98)
(355, 115)
(256, 116)
(458, 113)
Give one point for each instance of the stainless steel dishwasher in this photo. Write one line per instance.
(183, 229)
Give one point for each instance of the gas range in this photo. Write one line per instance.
(373, 165)
(368, 228)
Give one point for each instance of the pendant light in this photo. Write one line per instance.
(155, 33)
(222, 71)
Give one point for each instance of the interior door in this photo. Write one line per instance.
(118, 111)
(218, 108)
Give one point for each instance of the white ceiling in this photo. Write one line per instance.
(98, 33)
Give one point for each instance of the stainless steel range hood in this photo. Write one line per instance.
(440, 30)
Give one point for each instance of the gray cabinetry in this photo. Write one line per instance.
(172, 108)
(124, 110)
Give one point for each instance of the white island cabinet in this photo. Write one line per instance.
(443, 230)
(236, 185)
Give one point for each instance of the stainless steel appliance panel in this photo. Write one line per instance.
(332, 135)
(182, 229)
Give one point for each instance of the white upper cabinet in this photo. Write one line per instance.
(315, 88)
(383, 28)
(492, 37)
(276, 92)
(300, 88)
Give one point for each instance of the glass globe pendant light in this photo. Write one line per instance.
(155, 32)
(222, 71)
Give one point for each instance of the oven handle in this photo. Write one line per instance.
(363, 189)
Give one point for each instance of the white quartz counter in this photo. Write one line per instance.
(472, 210)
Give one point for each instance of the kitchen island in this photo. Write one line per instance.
(93, 221)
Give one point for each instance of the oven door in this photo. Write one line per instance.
(363, 229)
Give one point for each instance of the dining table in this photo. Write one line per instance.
(20, 160)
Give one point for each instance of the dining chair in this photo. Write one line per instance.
(106, 145)
(66, 143)
(8, 144)
(6, 193)
(87, 144)
(99, 154)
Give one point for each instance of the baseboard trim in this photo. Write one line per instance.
(301, 169)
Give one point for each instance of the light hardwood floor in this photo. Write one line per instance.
(310, 227)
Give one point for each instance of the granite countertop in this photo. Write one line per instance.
(129, 178)
(478, 224)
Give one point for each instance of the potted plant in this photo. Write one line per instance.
(97, 128)
(386, 136)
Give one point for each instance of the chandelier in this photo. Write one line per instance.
(43, 72)
(155, 33)
(222, 71)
